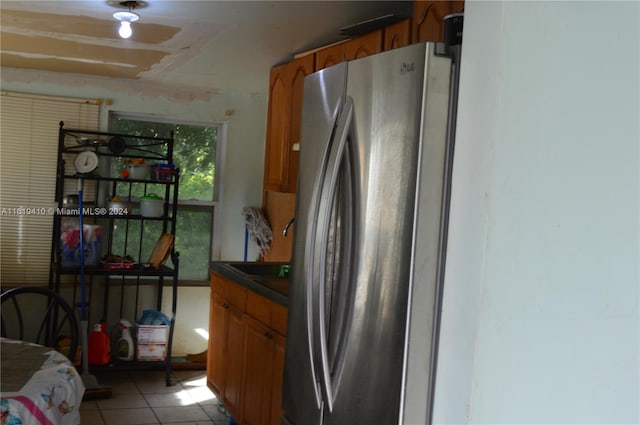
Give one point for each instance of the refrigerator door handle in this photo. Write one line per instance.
(325, 205)
(312, 278)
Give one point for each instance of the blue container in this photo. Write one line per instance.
(164, 172)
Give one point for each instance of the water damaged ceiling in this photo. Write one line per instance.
(80, 44)
(209, 45)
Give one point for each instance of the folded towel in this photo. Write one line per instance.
(258, 228)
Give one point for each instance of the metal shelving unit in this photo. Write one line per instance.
(128, 284)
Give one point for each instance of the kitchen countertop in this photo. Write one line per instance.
(273, 288)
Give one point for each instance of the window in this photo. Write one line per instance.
(28, 152)
(195, 153)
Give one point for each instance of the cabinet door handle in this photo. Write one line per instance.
(268, 335)
(225, 305)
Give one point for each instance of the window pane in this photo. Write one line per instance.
(127, 235)
(193, 241)
(194, 153)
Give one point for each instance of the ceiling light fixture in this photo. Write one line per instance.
(126, 18)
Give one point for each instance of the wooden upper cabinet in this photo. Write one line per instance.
(283, 123)
(286, 83)
(428, 16)
(354, 48)
(277, 129)
(279, 208)
(457, 6)
(397, 35)
(330, 55)
(364, 45)
(297, 70)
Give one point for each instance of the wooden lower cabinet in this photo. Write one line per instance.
(218, 325)
(261, 375)
(245, 363)
(228, 302)
(278, 379)
(232, 392)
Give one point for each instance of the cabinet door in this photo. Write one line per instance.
(296, 70)
(329, 56)
(276, 159)
(280, 343)
(258, 372)
(279, 209)
(397, 35)
(217, 347)
(233, 362)
(457, 6)
(364, 45)
(428, 18)
(283, 125)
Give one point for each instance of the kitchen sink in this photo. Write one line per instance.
(274, 276)
(259, 269)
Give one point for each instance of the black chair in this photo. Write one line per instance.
(48, 317)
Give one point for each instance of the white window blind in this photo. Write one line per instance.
(28, 151)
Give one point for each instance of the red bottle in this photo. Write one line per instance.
(99, 345)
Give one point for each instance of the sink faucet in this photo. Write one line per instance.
(286, 228)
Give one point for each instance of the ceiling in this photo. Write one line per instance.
(215, 46)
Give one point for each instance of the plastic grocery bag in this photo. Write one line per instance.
(153, 317)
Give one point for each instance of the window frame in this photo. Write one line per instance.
(197, 205)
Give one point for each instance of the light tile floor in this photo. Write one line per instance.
(142, 398)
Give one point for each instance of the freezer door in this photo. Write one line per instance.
(322, 104)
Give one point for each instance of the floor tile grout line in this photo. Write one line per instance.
(177, 381)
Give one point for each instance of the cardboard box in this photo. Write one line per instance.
(151, 352)
(156, 334)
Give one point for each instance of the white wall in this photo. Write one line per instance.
(540, 315)
(245, 130)
(243, 160)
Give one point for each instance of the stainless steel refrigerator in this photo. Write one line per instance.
(376, 146)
